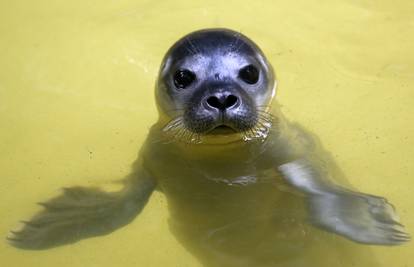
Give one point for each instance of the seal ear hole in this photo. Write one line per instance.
(249, 74)
(183, 78)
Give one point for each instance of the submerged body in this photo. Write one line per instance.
(231, 205)
(228, 203)
(243, 184)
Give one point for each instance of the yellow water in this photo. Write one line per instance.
(76, 101)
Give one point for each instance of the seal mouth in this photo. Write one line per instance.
(222, 130)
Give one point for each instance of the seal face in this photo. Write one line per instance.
(215, 81)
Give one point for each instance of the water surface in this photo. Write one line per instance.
(76, 102)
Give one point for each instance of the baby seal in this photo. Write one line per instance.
(239, 178)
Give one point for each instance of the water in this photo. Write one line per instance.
(76, 92)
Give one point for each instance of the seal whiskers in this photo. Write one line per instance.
(262, 127)
(178, 132)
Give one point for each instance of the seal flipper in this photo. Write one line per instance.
(360, 217)
(81, 212)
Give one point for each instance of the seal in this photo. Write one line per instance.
(244, 185)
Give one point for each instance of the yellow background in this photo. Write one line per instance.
(76, 101)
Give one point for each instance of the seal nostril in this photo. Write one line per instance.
(214, 102)
(222, 103)
(230, 101)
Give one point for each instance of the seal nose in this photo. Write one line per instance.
(222, 101)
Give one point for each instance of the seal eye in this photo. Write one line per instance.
(183, 78)
(249, 74)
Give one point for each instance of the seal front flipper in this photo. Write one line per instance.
(360, 217)
(81, 212)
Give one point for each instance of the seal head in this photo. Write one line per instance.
(213, 82)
